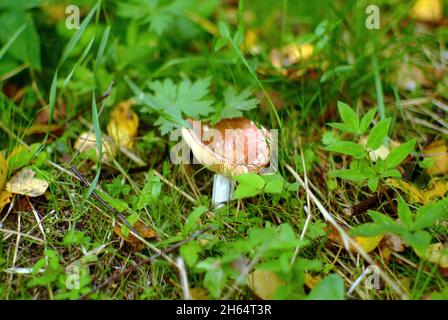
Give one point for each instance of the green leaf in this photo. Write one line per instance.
(236, 103)
(330, 288)
(348, 116)
(245, 191)
(366, 120)
(341, 126)
(397, 155)
(251, 179)
(378, 134)
(368, 230)
(171, 101)
(26, 47)
(347, 147)
(349, 174)
(150, 191)
(21, 157)
(373, 184)
(221, 43)
(275, 186)
(193, 219)
(427, 215)
(419, 240)
(189, 252)
(224, 29)
(404, 213)
(394, 173)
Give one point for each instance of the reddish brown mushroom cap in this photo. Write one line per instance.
(232, 147)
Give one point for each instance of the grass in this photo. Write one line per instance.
(116, 41)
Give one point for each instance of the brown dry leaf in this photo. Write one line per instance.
(394, 242)
(143, 230)
(264, 283)
(87, 141)
(438, 151)
(311, 281)
(3, 171)
(198, 294)
(409, 77)
(25, 184)
(123, 125)
(427, 10)
(436, 253)
(369, 243)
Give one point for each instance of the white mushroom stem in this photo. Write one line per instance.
(223, 188)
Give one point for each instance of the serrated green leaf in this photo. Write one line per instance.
(236, 103)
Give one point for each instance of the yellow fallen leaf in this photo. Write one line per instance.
(87, 141)
(3, 171)
(123, 125)
(311, 281)
(5, 198)
(413, 193)
(436, 253)
(438, 151)
(438, 191)
(24, 183)
(264, 283)
(427, 10)
(369, 243)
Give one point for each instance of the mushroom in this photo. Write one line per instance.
(229, 148)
